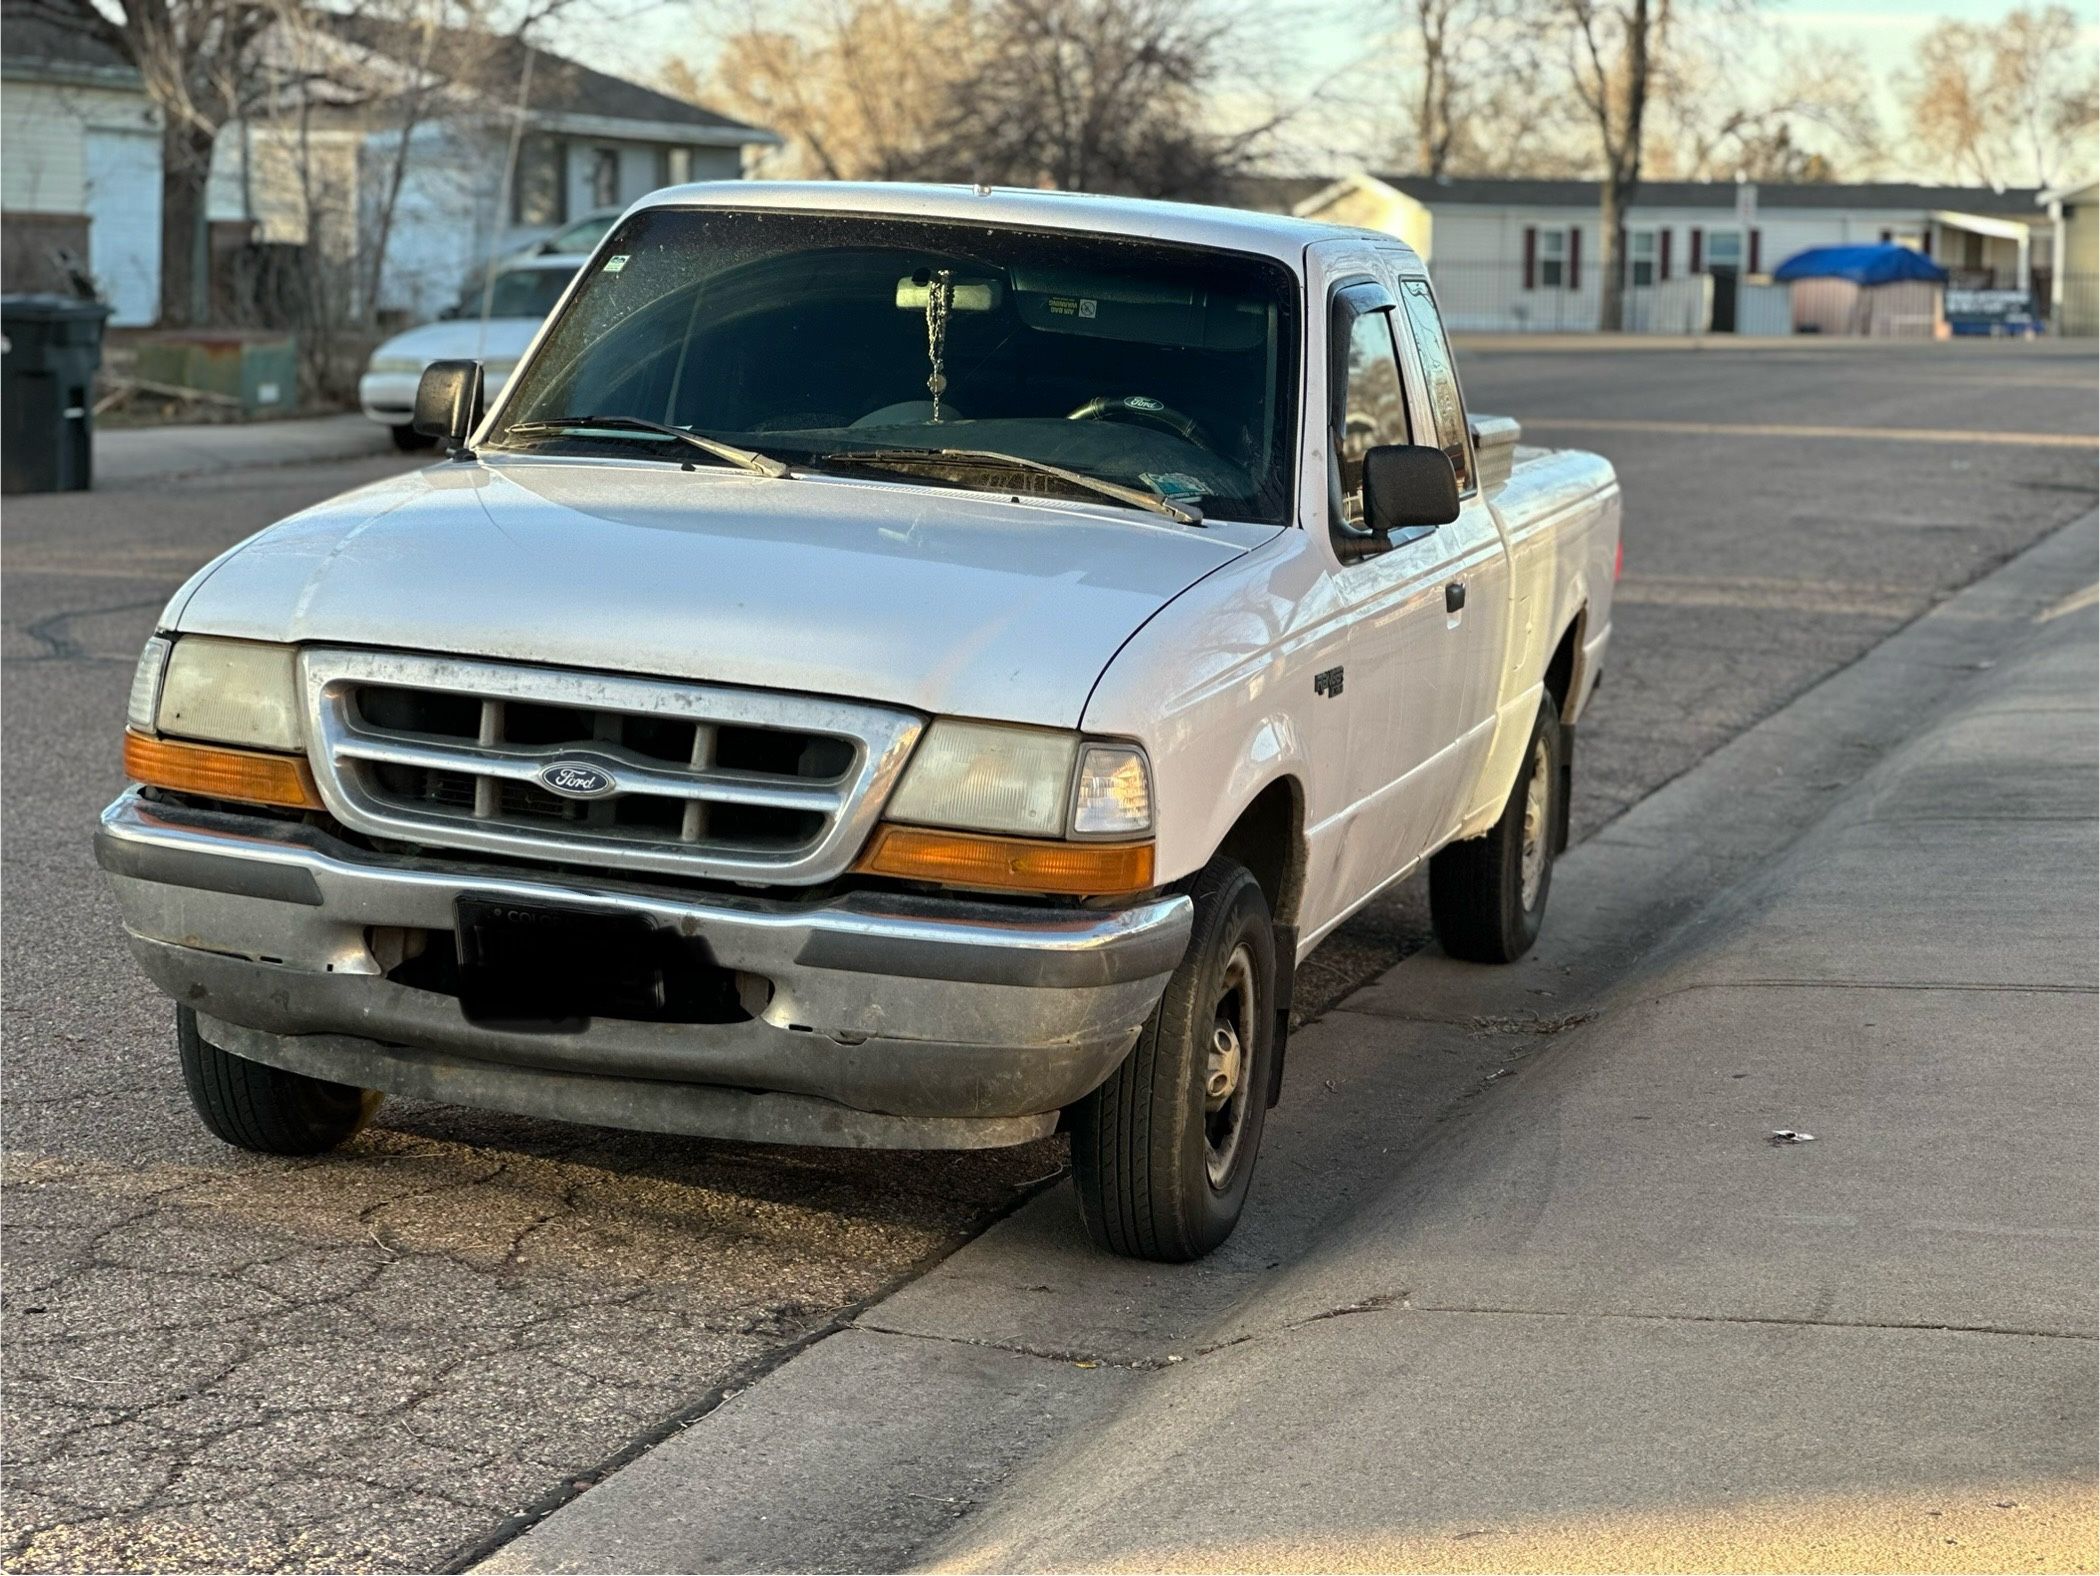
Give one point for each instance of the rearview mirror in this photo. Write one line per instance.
(1408, 484)
(448, 401)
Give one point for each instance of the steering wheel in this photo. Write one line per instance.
(1144, 410)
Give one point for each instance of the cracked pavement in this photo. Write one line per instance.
(393, 1357)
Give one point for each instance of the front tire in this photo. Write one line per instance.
(1163, 1152)
(1487, 895)
(266, 1109)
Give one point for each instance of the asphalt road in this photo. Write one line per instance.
(375, 1359)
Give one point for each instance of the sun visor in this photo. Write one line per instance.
(1059, 301)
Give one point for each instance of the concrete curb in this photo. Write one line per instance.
(864, 1451)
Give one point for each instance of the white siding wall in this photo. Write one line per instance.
(1476, 254)
(640, 170)
(43, 127)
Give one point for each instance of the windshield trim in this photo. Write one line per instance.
(1291, 376)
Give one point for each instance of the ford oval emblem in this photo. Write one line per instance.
(574, 780)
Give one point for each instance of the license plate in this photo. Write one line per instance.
(552, 965)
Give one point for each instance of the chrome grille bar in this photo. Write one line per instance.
(682, 778)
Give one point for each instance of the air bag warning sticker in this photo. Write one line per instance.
(1073, 306)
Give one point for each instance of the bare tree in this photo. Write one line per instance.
(201, 65)
(1807, 116)
(2013, 100)
(856, 87)
(1615, 47)
(1102, 95)
(1108, 95)
(1486, 98)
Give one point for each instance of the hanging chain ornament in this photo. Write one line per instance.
(940, 297)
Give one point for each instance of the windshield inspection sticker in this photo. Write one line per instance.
(614, 264)
(1173, 485)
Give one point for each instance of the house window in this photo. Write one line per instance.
(539, 194)
(674, 166)
(1553, 259)
(1724, 249)
(605, 177)
(1640, 258)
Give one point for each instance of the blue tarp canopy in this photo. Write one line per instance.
(1882, 264)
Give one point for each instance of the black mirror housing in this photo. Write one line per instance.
(1405, 485)
(448, 400)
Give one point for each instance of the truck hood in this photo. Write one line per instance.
(939, 600)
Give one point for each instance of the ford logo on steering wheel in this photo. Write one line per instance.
(575, 780)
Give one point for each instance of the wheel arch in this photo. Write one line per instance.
(1268, 837)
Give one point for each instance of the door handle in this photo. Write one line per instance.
(1454, 596)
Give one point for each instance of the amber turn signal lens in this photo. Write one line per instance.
(1008, 864)
(248, 776)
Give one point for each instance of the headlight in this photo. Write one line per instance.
(987, 778)
(983, 777)
(231, 692)
(145, 685)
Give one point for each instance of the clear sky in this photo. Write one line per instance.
(1321, 37)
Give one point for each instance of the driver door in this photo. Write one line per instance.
(1402, 646)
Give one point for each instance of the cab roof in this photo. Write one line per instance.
(1281, 236)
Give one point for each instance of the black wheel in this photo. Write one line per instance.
(266, 1109)
(1164, 1151)
(1487, 894)
(409, 441)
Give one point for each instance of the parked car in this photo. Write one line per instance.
(907, 667)
(579, 237)
(519, 297)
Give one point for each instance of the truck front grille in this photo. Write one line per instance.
(545, 763)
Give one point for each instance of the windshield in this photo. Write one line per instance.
(524, 292)
(815, 337)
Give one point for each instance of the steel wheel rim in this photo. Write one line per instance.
(1531, 867)
(1227, 1092)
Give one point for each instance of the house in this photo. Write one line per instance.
(495, 144)
(1523, 254)
(79, 167)
(2073, 301)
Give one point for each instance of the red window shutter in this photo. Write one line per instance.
(1756, 250)
(1531, 256)
(1662, 254)
(1925, 241)
(1575, 257)
(1698, 249)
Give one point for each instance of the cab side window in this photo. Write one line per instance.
(1441, 373)
(1372, 409)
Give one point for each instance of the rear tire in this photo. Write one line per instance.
(410, 441)
(265, 1109)
(1487, 895)
(1163, 1152)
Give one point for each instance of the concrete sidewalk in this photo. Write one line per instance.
(1616, 1327)
(128, 455)
(1556, 1150)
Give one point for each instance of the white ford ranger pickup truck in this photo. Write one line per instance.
(896, 666)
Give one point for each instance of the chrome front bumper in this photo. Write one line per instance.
(889, 1021)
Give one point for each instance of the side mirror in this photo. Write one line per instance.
(448, 401)
(1405, 485)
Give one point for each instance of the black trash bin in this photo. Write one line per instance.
(50, 346)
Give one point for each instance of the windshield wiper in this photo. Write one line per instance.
(749, 459)
(1157, 502)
